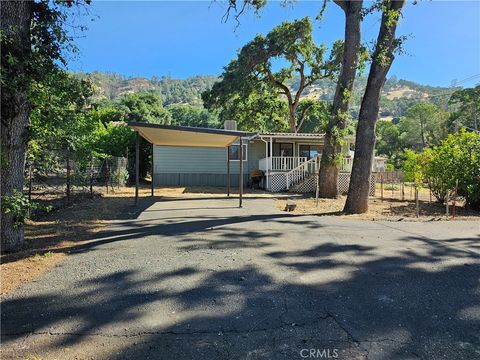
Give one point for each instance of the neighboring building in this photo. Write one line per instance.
(288, 161)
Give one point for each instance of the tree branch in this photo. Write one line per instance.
(302, 116)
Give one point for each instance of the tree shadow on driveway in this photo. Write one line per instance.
(276, 300)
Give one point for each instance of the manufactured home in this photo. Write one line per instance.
(285, 161)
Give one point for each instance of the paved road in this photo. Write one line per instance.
(202, 279)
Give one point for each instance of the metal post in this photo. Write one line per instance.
(447, 212)
(228, 170)
(267, 180)
(240, 183)
(270, 162)
(455, 199)
(153, 172)
(417, 206)
(137, 166)
(381, 188)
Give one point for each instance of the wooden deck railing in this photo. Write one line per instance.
(281, 163)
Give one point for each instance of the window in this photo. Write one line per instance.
(309, 151)
(235, 152)
(282, 149)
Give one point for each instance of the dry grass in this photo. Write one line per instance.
(388, 209)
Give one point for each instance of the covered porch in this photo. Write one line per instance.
(290, 159)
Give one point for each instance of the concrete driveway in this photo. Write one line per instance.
(202, 279)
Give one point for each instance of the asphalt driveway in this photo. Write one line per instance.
(202, 279)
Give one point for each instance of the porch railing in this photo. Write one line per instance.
(300, 172)
(281, 163)
(378, 164)
(346, 164)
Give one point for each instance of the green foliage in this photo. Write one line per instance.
(290, 43)
(457, 158)
(109, 86)
(121, 176)
(388, 138)
(422, 126)
(412, 167)
(19, 206)
(263, 112)
(316, 115)
(467, 108)
(142, 107)
(61, 123)
(114, 139)
(188, 115)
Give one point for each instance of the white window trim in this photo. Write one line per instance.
(245, 152)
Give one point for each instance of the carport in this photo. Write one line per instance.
(167, 135)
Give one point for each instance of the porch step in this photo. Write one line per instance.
(306, 185)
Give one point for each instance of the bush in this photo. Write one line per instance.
(412, 168)
(457, 158)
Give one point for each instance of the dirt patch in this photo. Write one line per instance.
(388, 209)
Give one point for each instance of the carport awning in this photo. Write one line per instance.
(186, 136)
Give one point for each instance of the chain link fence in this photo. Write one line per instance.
(57, 178)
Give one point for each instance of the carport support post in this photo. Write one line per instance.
(228, 170)
(153, 171)
(240, 180)
(137, 165)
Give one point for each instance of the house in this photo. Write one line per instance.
(289, 161)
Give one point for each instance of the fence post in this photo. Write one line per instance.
(107, 173)
(381, 188)
(30, 182)
(403, 191)
(447, 197)
(91, 177)
(455, 200)
(137, 165)
(68, 173)
(417, 205)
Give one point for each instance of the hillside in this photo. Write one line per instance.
(108, 86)
(398, 95)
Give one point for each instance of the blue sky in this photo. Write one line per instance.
(186, 38)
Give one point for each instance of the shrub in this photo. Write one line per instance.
(412, 168)
(457, 158)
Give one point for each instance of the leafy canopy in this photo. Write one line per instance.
(268, 64)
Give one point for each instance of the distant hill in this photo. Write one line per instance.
(108, 86)
(398, 95)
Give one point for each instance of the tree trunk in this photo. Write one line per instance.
(328, 167)
(15, 20)
(291, 120)
(357, 199)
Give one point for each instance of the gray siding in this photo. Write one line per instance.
(178, 179)
(200, 166)
(257, 152)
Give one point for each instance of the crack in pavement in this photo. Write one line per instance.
(206, 332)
